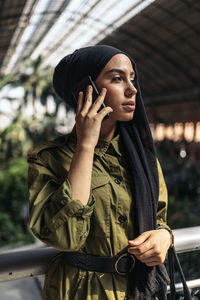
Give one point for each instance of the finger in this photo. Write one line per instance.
(140, 239)
(100, 99)
(152, 264)
(103, 112)
(146, 255)
(79, 103)
(141, 249)
(152, 259)
(149, 258)
(88, 100)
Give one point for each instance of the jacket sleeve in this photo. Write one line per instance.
(162, 200)
(56, 218)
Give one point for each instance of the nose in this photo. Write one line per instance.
(130, 89)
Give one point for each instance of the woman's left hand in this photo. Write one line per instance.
(151, 246)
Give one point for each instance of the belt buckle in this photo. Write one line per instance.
(118, 260)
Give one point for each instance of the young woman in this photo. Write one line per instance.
(98, 194)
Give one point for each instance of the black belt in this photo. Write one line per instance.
(121, 264)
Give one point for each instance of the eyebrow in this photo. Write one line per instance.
(118, 71)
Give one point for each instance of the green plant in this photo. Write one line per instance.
(13, 203)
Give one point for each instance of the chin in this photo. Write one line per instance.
(127, 117)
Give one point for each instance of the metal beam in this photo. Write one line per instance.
(20, 264)
(42, 29)
(7, 28)
(190, 283)
(23, 22)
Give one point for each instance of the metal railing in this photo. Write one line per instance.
(18, 264)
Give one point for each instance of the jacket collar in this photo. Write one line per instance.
(102, 146)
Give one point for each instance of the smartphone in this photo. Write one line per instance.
(82, 85)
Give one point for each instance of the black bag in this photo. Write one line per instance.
(174, 261)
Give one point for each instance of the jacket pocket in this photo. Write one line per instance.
(100, 220)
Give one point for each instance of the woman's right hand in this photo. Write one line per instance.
(88, 119)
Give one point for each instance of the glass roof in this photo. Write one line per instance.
(57, 28)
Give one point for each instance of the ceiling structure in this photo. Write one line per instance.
(55, 28)
(9, 18)
(162, 36)
(14, 18)
(164, 40)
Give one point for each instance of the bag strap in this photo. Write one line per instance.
(173, 258)
(171, 274)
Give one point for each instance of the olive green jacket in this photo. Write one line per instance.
(102, 227)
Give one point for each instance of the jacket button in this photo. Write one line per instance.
(46, 231)
(122, 218)
(117, 181)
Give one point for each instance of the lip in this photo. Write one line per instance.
(129, 103)
(129, 106)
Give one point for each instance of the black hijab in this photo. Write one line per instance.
(140, 153)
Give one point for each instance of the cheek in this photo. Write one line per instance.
(109, 101)
(111, 98)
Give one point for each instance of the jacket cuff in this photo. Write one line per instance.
(70, 207)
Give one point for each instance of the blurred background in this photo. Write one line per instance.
(163, 38)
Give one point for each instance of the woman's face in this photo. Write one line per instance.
(118, 78)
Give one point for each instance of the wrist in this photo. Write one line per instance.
(85, 147)
(170, 233)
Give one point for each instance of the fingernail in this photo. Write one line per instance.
(131, 242)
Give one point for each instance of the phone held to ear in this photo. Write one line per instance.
(82, 85)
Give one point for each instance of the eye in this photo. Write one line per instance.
(133, 81)
(116, 79)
